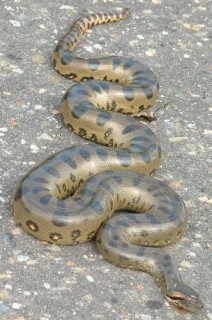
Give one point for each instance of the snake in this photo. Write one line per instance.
(104, 189)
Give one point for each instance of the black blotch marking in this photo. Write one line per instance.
(82, 132)
(110, 143)
(55, 236)
(146, 157)
(93, 137)
(103, 155)
(84, 154)
(129, 93)
(131, 128)
(59, 222)
(93, 64)
(113, 104)
(152, 219)
(141, 107)
(70, 127)
(32, 225)
(78, 111)
(105, 86)
(79, 201)
(108, 133)
(113, 243)
(54, 63)
(72, 177)
(116, 62)
(103, 118)
(148, 92)
(61, 204)
(128, 64)
(86, 192)
(38, 189)
(87, 78)
(83, 92)
(121, 223)
(66, 58)
(95, 87)
(52, 171)
(45, 199)
(124, 159)
(40, 180)
(119, 180)
(75, 234)
(164, 210)
(107, 187)
(69, 161)
(91, 235)
(70, 76)
(152, 187)
(97, 207)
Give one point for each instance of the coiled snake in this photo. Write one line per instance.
(70, 197)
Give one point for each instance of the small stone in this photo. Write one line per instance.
(207, 132)
(46, 285)
(38, 107)
(192, 254)
(140, 37)
(147, 11)
(37, 58)
(22, 258)
(205, 199)
(97, 46)
(17, 70)
(3, 129)
(186, 264)
(34, 148)
(178, 139)
(90, 279)
(186, 56)
(198, 236)
(16, 306)
(15, 23)
(88, 48)
(44, 136)
(150, 52)
(42, 90)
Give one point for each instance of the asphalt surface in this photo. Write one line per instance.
(41, 281)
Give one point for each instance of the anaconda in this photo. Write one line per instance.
(70, 197)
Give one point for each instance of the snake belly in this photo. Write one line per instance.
(70, 197)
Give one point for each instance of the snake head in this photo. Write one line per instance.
(183, 297)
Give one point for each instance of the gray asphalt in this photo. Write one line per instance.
(41, 281)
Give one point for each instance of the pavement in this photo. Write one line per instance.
(40, 281)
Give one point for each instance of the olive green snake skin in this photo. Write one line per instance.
(70, 197)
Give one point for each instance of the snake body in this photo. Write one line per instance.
(70, 197)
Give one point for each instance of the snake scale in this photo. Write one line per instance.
(70, 197)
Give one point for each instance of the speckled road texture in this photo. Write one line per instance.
(47, 282)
